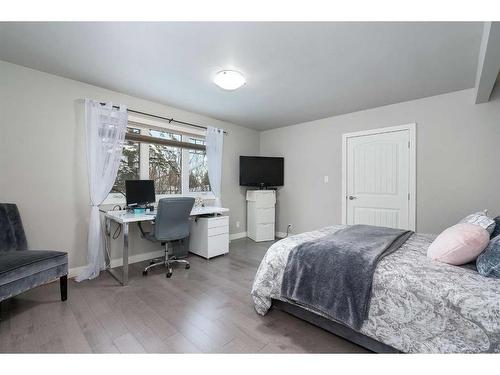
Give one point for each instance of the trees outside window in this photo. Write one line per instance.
(129, 164)
(165, 164)
(174, 170)
(198, 168)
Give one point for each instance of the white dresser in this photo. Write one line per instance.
(209, 236)
(260, 214)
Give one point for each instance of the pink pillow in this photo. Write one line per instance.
(459, 244)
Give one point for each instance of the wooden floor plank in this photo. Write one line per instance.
(128, 344)
(207, 308)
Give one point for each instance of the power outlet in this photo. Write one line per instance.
(237, 224)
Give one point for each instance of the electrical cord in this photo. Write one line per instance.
(107, 233)
(117, 232)
(143, 233)
(118, 229)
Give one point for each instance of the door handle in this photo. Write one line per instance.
(351, 197)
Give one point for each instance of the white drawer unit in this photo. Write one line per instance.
(261, 214)
(209, 236)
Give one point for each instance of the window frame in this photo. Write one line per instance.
(145, 124)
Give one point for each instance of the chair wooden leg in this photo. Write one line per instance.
(3, 309)
(64, 287)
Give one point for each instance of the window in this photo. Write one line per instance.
(129, 165)
(198, 169)
(174, 170)
(165, 164)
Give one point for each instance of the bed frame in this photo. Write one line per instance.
(333, 327)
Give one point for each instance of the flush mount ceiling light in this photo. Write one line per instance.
(229, 79)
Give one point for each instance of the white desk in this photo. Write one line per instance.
(124, 218)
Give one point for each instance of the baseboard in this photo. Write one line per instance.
(236, 236)
(280, 234)
(73, 272)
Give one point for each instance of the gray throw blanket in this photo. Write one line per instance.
(334, 274)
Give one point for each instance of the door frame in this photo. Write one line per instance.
(412, 177)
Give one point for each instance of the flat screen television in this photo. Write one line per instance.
(261, 171)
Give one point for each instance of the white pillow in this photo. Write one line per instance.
(459, 244)
(481, 219)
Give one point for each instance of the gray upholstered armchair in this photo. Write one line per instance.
(22, 269)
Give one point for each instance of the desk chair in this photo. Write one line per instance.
(171, 224)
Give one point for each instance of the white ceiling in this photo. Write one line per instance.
(295, 71)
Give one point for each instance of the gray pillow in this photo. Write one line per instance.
(488, 262)
(481, 219)
(496, 232)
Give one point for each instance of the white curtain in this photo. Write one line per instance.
(215, 144)
(105, 128)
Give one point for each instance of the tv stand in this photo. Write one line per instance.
(261, 215)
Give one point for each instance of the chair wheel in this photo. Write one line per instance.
(169, 275)
(144, 273)
(188, 266)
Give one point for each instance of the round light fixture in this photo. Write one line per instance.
(229, 79)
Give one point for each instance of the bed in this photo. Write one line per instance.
(417, 305)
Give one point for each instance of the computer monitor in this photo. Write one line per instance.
(140, 192)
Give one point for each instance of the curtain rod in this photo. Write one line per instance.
(164, 142)
(170, 120)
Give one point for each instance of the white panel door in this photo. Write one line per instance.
(378, 179)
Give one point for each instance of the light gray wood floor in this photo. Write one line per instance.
(205, 309)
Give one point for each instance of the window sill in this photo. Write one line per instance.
(118, 199)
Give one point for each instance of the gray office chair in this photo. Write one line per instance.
(171, 225)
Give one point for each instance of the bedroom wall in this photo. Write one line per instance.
(457, 160)
(43, 165)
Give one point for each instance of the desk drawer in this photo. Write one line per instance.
(217, 230)
(218, 245)
(210, 236)
(219, 221)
